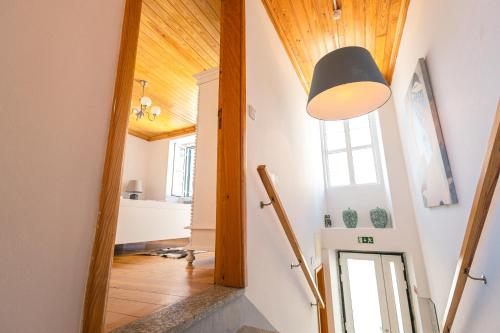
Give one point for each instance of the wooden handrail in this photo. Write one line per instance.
(285, 223)
(479, 211)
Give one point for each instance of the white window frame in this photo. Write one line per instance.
(188, 171)
(185, 141)
(349, 149)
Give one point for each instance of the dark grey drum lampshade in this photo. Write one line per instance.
(346, 83)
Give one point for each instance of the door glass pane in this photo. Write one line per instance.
(396, 296)
(364, 296)
(338, 169)
(335, 137)
(359, 130)
(364, 166)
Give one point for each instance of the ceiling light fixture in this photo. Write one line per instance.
(145, 108)
(346, 83)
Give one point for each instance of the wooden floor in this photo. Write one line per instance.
(141, 285)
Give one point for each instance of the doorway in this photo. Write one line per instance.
(167, 212)
(230, 269)
(374, 293)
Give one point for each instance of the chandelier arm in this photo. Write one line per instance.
(143, 111)
(149, 116)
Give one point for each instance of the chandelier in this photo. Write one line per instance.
(145, 108)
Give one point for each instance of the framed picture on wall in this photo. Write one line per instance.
(429, 158)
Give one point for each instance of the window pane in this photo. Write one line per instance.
(178, 170)
(364, 296)
(335, 137)
(359, 129)
(338, 169)
(364, 166)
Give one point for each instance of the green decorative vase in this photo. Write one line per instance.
(350, 217)
(379, 217)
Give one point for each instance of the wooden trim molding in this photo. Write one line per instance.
(319, 274)
(137, 134)
(231, 212)
(174, 133)
(166, 135)
(477, 218)
(230, 244)
(102, 253)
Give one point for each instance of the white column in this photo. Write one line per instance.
(205, 174)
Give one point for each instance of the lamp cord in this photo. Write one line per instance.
(336, 19)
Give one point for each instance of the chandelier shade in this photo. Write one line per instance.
(145, 108)
(346, 83)
(146, 101)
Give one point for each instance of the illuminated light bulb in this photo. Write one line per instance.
(146, 101)
(155, 110)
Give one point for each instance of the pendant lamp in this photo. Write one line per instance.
(346, 83)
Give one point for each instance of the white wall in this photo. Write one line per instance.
(361, 198)
(58, 68)
(135, 164)
(147, 161)
(461, 43)
(157, 168)
(287, 140)
(402, 238)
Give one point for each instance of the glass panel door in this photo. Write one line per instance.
(374, 293)
(396, 289)
(363, 289)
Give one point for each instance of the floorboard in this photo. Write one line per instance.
(141, 285)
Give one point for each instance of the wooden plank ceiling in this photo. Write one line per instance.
(308, 30)
(177, 38)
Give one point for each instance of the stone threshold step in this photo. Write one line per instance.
(183, 314)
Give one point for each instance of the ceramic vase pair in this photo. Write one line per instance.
(378, 216)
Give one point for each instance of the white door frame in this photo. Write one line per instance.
(396, 272)
(385, 273)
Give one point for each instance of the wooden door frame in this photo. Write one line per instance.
(230, 244)
(319, 275)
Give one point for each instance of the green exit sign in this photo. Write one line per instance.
(365, 240)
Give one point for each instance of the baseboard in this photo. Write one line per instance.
(134, 248)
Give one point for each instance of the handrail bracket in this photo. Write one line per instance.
(262, 204)
(482, 278)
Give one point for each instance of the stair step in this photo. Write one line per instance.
(184, 314)
(250, 329)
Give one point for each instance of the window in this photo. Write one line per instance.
(350, 151)
(182, 169)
